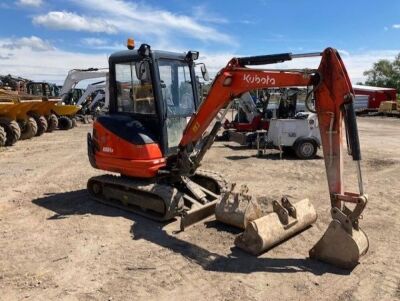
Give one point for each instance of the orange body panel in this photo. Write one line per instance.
(118, 155)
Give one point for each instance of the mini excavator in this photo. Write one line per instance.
(157, 132)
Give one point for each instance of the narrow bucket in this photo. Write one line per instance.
(238, 209)
(264, 233)
(340, 247)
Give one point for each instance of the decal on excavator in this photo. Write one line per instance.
(251, 79)
(195, 127)
(108, 149)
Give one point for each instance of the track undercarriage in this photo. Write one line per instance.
(192, 198)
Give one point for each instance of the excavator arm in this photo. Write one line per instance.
(344, 242)
(76, 75)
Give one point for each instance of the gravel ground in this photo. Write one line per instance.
(58, 244)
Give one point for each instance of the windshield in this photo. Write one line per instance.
(133, 95)
(176, 86)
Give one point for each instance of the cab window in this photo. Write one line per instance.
(176, 87)
(133, 95)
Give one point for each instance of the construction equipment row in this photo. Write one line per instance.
(20, 120)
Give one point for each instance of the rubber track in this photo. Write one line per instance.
(217, 177)
(169, 194)
(165, 192)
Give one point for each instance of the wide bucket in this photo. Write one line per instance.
(268, 231)
(238, 209)
(340, 247)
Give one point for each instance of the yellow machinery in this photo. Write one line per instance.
(389, 107)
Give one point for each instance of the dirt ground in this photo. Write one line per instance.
(58, 244)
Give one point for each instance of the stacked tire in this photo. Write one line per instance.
(52, 123)
(29, 128)
(65, 123)
(41, 122)
(12, 131)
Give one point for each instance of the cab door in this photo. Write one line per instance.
(178, 98)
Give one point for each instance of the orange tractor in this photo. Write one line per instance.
(155, 136)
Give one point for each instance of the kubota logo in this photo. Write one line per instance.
(255, 79)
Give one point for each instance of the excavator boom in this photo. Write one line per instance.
(343, 242)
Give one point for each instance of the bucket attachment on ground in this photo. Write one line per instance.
(273, 228)
(238, 208)
(343, 243)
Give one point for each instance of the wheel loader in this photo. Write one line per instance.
(155, 136)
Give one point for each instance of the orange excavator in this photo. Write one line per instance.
(157, 132)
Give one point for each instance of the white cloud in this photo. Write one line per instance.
(94, 41)
(33, 43)
(35, 58)
(396, 26)
(51, 64)
(34, 3)
(70, 21)
(203, 14)
(143, 20)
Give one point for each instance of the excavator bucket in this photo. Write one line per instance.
(342, 244)
(238, 208)
(268, 231)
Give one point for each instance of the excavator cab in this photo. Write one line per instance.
(155, 93)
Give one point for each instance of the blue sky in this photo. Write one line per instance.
(43, 39)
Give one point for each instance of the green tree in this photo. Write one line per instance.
(384, 73)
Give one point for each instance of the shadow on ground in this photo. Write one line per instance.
(79, 203)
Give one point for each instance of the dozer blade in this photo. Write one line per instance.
(197, 214)
(286, 220)
(238, 208)
(342, 244)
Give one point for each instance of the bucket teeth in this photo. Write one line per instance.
(269, 230)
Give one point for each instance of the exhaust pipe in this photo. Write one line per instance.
(268, 231)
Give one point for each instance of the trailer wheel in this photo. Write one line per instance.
(305, 149)
(29, 129)
(64, 123)
(12, 129)
(3, 136)
(52, 122)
